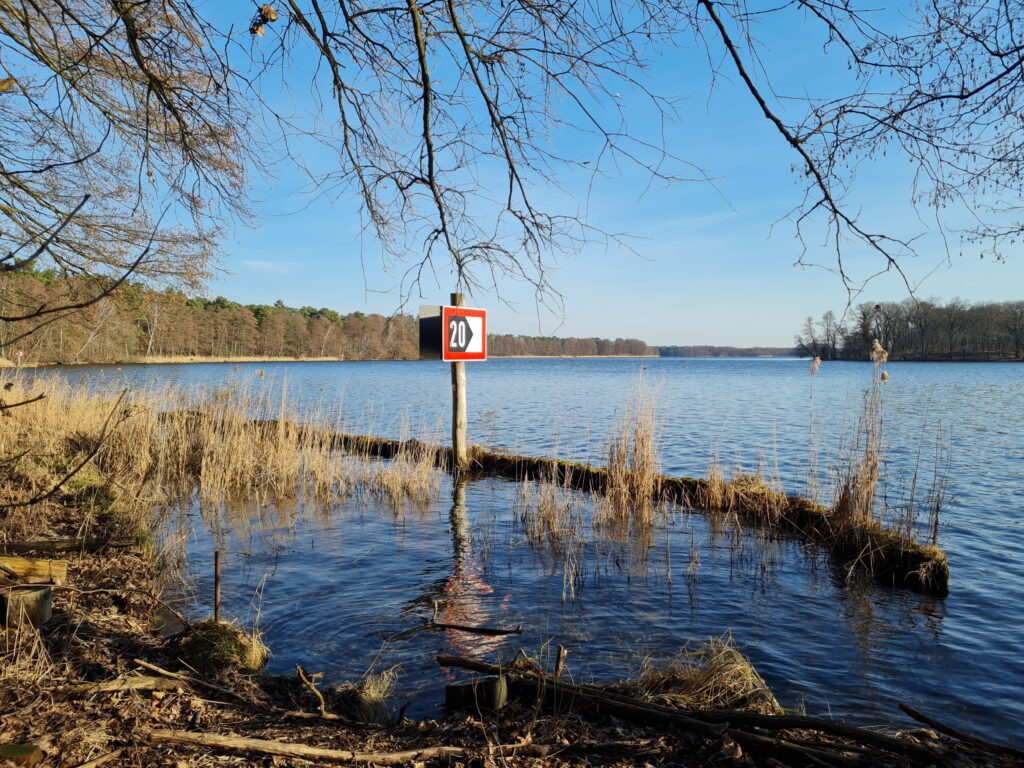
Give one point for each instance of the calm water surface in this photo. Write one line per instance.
(331, 585)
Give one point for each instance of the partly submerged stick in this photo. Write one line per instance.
(490, 631)
(960, 735)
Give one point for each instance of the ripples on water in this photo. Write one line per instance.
(335, 583)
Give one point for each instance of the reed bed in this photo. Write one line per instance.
(126, 460)
(552, 516)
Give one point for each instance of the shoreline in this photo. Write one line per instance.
(198, 360)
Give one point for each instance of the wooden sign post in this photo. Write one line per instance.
(456, 334)
(460, 454)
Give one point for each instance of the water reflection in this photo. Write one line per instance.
(464, 599)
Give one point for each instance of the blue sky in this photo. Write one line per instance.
(713, 264)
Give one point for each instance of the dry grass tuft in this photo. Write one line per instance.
(367, 700)
(714, 675)
(214, 647)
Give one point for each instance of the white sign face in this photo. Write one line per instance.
(465, 334)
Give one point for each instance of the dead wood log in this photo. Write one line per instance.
(710, 722)
(562, 694)
(90, 544)
(35, 571)
(306, 752)
(960, 735)
(20, 754)
(138, 683)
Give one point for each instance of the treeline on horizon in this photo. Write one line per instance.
(137, 322)
(925, 330)
(704, 350)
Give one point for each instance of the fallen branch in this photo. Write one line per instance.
(139, 683)
(299, 715)
(67, 545)
(561, 694)
(187, 678)
(306, 752)
(323, 714)
(959, 735)
(6, 406)
(489, 631)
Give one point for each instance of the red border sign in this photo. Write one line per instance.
(466, 340)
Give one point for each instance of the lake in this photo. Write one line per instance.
(331, 585)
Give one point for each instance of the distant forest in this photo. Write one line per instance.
(137, 322)
(709, 351)
(919, 330)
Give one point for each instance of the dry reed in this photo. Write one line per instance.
(633, 480)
